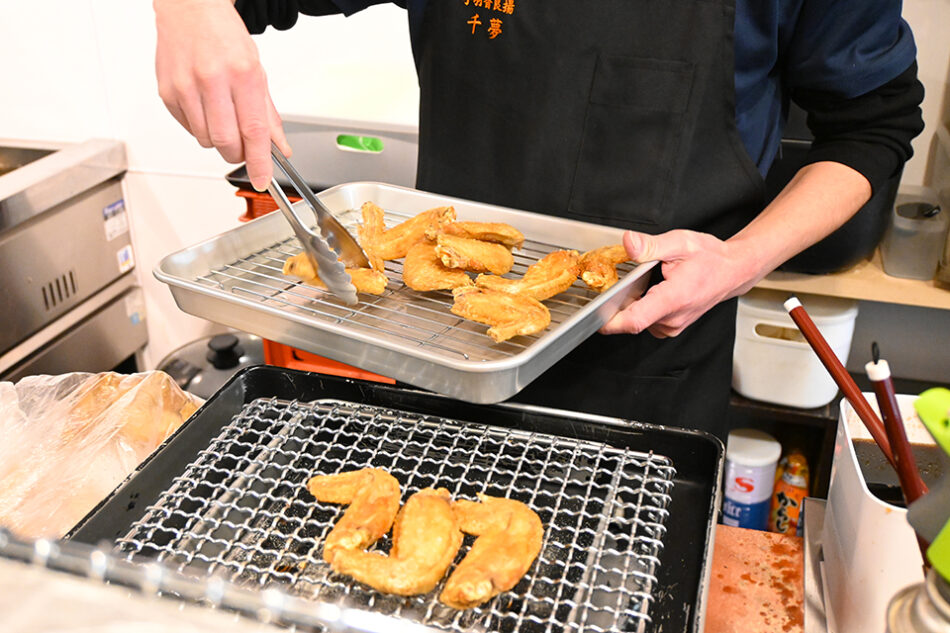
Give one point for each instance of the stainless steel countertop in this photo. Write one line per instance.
(43, 183)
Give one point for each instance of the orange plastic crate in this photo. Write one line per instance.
(292, 358)
(258, 204)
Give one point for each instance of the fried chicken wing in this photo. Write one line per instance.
(497, 232)
(475, 256)
(426, 537)
(373, 498)
(364, 279)
(423, 270)
(369, 232)
(547, 277)
(395, 242)
(599, 266)
(508, 315)
(509, 539)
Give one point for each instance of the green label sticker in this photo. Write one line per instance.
(360, 143)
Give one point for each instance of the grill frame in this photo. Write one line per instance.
(312, 320)
(683, 574)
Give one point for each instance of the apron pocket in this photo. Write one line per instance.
(635, 120)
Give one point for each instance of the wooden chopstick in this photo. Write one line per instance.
(879, 373)
(841, 376)
(913, 487)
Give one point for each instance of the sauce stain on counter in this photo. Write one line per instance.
(756, 583)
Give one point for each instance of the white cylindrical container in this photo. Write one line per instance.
(751, 458)
(773, 362)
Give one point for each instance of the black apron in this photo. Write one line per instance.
(618, 112)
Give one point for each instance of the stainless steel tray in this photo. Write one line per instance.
(235, 279)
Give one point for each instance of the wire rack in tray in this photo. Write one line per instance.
(400, 313)
(241, 512)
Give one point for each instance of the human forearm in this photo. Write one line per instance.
(872, 132)
(819, 199)
(699, 270)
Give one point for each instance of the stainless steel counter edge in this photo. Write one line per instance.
(48, 181)
(814, 602)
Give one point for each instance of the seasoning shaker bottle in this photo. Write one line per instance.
(917, 231)
(751, 459)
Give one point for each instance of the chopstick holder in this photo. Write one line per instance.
(840, 375)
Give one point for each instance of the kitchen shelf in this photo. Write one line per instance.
(865, 281)
(812, 430)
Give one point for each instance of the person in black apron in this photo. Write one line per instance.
(637, 126)
(615, 112)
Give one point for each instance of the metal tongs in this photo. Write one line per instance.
(329, 245)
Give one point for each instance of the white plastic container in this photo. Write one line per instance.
(325, 155)
(917, 230)
(773, 362)
(751, 459)
(869, 549)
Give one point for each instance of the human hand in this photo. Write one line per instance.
(699, 271)
(211, 80)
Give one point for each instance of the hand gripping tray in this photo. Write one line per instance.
(235, 279)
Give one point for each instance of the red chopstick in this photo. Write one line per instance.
(841, 376)
(879, 372)
(913, 487)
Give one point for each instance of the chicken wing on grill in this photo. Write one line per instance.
(508, 315)
(423, 270)
(497, 232)
(394, 243)
(475, 256)
(373, 498)
(599, 266)
(364, 279)
(426, 537)
(547, 277)
(509, 539)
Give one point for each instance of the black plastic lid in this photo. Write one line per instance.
(918, 210)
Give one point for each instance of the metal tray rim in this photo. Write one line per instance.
(475, 366)
(586, 315)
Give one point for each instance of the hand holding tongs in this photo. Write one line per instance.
(331, 248)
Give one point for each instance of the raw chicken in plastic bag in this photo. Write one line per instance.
(69, 440)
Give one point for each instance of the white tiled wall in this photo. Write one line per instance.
(76, 69)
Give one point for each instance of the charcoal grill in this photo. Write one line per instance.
(628, 508)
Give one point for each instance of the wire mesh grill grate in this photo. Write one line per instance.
(399, 314)
(241, 512)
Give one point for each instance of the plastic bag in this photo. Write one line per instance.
(69, 440)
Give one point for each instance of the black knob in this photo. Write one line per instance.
(225, 352)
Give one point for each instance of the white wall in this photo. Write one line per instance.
(930, 21)
(75, 69)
